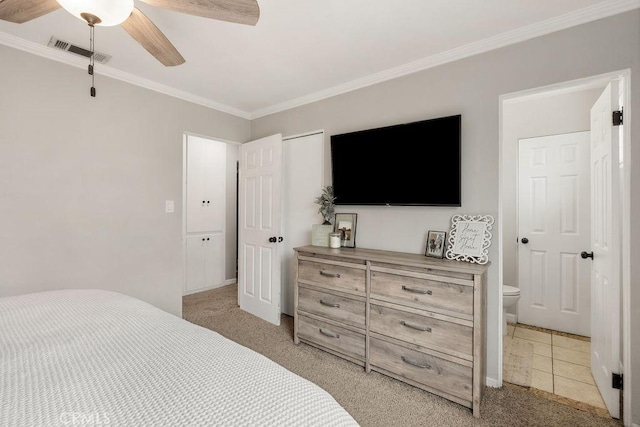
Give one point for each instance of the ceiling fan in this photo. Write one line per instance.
(132, 20)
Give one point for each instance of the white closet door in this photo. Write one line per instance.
(214, 255)
(196, 183)
(215, 187)
(196, 255)
(554, 227)
(205, 262)
(206, 172)
(205, 192)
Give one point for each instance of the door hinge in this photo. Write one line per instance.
(617, 381)
(617, 118)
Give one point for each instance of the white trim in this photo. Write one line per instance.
(199, 135)
(183, 212)
(492, 382)
(578, 85)
(208, 288)
(578, 17)
(302, 135)
(582, 16)
(107, 71)
(500, 346)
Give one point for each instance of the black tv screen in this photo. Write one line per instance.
(408, 164)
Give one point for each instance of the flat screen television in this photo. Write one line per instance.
(415, 163)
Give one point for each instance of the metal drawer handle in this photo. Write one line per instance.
(419, 328)
(416, 364)
(416, 291)
(324, 273)
(329, 334)
(329, 304)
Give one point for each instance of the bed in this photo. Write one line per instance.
(91, 357)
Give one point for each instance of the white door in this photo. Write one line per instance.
(302, 183)
(196, 253)
(259, 200)
(205, 194)
(206, 172)
(205, 266)
(553, 229)
(605, 244)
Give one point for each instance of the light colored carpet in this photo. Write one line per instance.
(517, 361)
(373, 399)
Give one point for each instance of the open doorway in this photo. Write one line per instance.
(541, 132)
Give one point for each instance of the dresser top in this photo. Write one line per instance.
(400, 258)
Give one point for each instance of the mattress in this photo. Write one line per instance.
(91, 357)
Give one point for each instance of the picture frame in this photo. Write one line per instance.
(470, 238)
(345, 224)
(436, 243)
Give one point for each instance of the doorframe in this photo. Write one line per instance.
(183, 188)
(565, 87)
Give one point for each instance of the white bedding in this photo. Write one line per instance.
(90, 357)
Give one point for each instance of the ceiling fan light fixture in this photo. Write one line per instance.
(108, 12)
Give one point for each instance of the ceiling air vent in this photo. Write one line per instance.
(55, 43)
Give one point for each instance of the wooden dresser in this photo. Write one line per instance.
(417, 319)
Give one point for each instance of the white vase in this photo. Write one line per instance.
(320, 234)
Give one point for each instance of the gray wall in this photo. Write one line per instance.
(472, 87)
(551, 115)
(83, 181)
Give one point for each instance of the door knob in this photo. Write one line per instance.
(524, 240)
(280, 239)
(586, 255)
(273, 239)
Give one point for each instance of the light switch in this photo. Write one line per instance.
(169, 206)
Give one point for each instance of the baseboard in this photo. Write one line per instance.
(208, 288)
(512, 318)
(492, 382)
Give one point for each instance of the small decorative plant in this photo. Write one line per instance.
(327, 207)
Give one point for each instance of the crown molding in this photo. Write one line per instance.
(107, 71)
(572, 19)
(582, 16)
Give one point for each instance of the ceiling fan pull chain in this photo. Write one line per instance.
(91, 59)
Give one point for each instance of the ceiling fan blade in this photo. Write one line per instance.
(19, 11)
(151, 38)
(238, 11)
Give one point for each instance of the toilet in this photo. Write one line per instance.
(510, 296)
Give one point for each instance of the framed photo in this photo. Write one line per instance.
(470, 238)
(436, 241)
(345, 224)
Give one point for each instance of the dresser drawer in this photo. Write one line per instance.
(431, 371)
(335, 307)
(443, 296)
(332, 337)
(425, 331)
(338, 277)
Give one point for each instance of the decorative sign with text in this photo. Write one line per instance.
(470, 238)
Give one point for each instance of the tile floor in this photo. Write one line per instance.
(561, 365)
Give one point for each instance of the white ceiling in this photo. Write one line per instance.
(304, 50)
